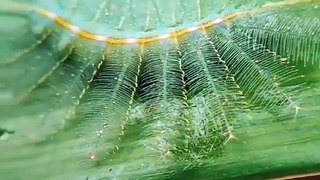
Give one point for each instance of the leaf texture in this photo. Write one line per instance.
(93, 109)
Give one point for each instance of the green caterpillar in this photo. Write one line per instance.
(132, 89)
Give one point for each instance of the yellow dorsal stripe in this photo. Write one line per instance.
(177, 34)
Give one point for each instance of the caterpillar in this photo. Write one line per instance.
(129, 89)
(144, 40)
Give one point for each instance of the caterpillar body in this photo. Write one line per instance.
(147, 89)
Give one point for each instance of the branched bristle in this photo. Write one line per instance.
(105, 107)
(131, 89)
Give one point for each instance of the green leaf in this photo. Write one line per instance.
(236, 100)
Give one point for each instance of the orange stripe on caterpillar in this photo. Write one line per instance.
(176, 34)
(110, 40)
